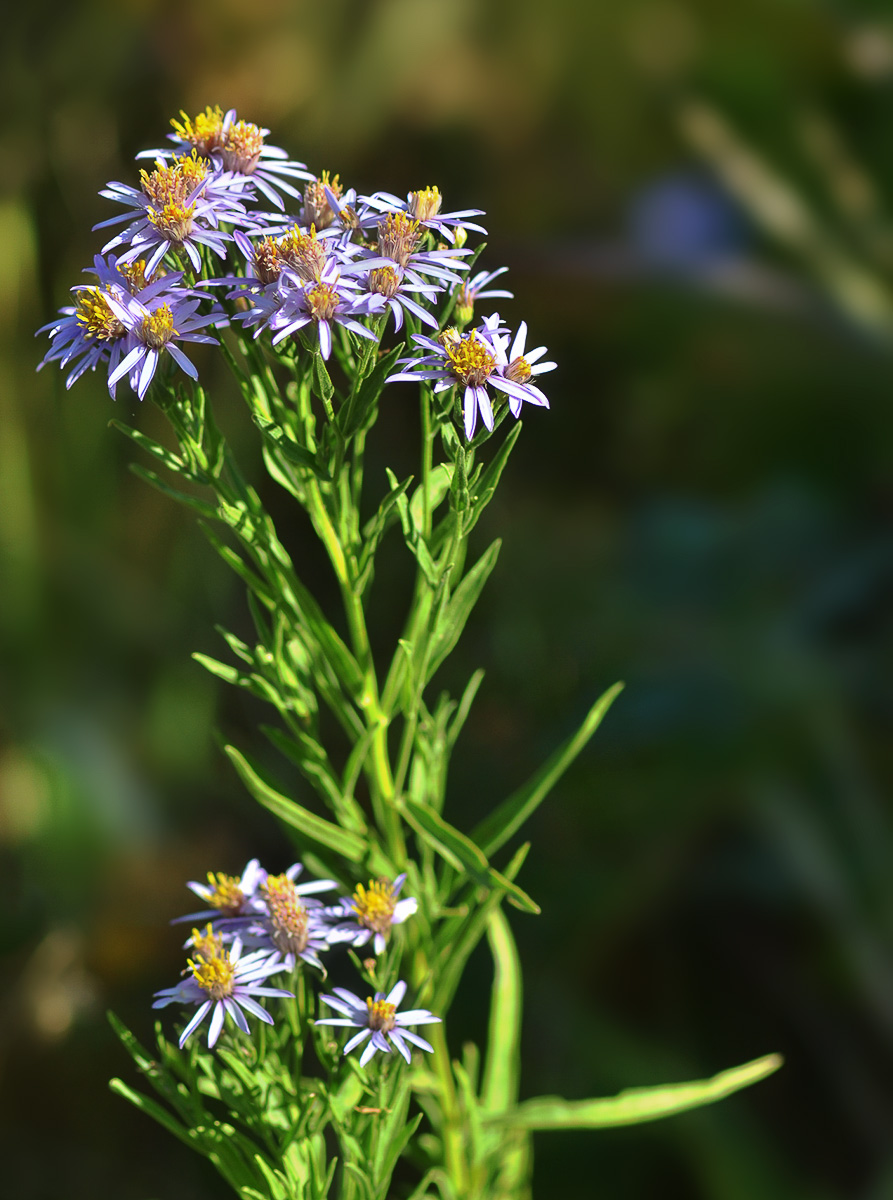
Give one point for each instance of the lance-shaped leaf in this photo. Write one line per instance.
(461, 853)
(353, 847)
(637, 1105)
(496, 829)
(458, 609)
(201, 506)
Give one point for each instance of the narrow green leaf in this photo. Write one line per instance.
(201, 506)
(458, 609)
(170, 460)
(460, 851)
(222, 671)
(325, 833)
(637, 1105)
(279, 438)
(438, 488)
(501, 1069)
(458, 722)
(490, 478)
(154, 1110)
(496, 829)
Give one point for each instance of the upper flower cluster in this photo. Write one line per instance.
(335, 267)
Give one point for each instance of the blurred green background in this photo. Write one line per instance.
(692, 197)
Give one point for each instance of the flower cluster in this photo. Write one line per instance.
(331, 270)
(258, 924)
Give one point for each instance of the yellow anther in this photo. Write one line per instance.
(374, 905)
(381, 1014)
(322, 301)
(157, 328)
(289, 927)
(471, 360)
(212, 968)
(303, 252)
(398, 237)
(226, 895)
(94, 314)
(384, 280)
(519, 370)
(204, 132)
(241, 147)
(317, 210)
(425, 204)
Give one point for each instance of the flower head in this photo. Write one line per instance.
(478, 360)
(378, 1020)
(222, 983)
(424, 206)
(290, 923)
(371, 912)
(229, 897)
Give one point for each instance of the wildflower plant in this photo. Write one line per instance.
(323, 313)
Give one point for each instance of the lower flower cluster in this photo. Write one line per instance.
(258, 925)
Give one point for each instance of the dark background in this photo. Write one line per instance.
(692, 199)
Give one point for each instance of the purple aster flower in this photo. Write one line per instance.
(153, 329)
(291, 303)
(90, 332)
(398, 243)
(223, 983)
(178, 209)
(476, 288)
(370, 913)
(237, 151)
(228, 897)
(424, 206)
(395, 284)
(379, 1021)
(290, 923)
(476, 360)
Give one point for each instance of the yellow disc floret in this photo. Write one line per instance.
(519, 370)
(94, 314)
(398, 237)
(384, 280)
(157, 328)
(288, 916)
(303, 252)
(204, 132)
(241, 147)
(322, 301)
(317, 210)
(471, 360)
(374, 905)
(425, 204)
(225, 894)
(212, 968)
(381, 1014)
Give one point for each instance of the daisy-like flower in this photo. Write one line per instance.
(223, 983)
(177, 209)
(424, 206)
(237, 151)
(228, 897)
(476, 288)
(291, 303)
(371, 912)
(475, 360)
(378, 1020)
(89, 332)
(398, 244)
(154, 329)
(291, 922)
(394, 284)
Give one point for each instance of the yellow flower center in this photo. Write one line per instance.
(425, 204)
(398, 237)
(288, 916)
(174, 183)
(204, 132)
(135, 275)
(384, 280)
(470, 359)
(518, 370)
(303, 253)
(212, 968)
(322, 301)
(92, 311)
(317, 210)
(381, 1014)
(173, 221)
(242, 147)
(157, 328)
(374, 905)
(226, 895)
(267, 260)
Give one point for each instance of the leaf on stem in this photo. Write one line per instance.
(496, 829)
(637, 1105)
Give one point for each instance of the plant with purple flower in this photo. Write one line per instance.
(291, 922)
(154, 328)
(378, 1020)
(223, 984)
(370, 913)
(475, 360)
(424, 206)
(477, 288)
(178, 210)
(291, 303)
(238, 152)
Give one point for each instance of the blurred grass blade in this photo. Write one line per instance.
(500, 1086)
(496, 829)
(637, 1105)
